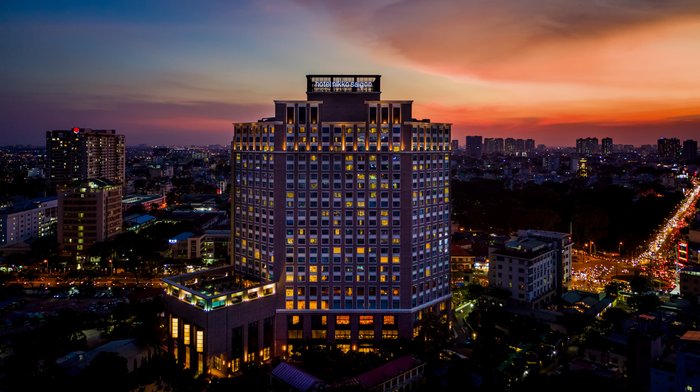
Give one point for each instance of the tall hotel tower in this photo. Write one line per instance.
(344, 200)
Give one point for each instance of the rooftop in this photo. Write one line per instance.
(216, 287)
(691, 336)
(129, 199)
(387, 371)
(296, 378)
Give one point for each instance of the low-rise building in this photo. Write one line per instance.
(218, 320)
(690, 282)
(461, 265)
(678, 370)
(148, 202)
(527, 269)
(26, 220)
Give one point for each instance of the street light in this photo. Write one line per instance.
(619, 249)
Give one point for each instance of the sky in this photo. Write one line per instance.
(180, 72)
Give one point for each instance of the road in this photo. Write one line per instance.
(659, 256)
(592, 272)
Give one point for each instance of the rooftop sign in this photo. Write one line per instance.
(342, 83)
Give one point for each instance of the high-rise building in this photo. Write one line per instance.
(669, 148)
(529, 146)
(510, 146)
(587, 145)
(690, 150)
(474, 146)
(83, 153)
(89, 211)
(344, 199)
(455, 145)
(493, 145)
(607, 146)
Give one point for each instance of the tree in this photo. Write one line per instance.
(645, 303)
(475, 290)
(433, 335)
(614, 318)
(613, 288)
(640, 283)
(107, 372)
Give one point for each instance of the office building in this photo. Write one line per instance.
(534, 267)
(89, 211)
(83, 153)
(493, 145)
(27, 220)
(562, 244)
(587, 146)
(690, 150)
(669, 148)
(510, 146)
(474, 146)
(607, 146)
(529, 146)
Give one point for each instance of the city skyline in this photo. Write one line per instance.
(181, 74)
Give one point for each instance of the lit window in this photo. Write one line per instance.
(200, 341)
(342, 320)
(366, 320)
(389, 320)
(174, 328)
(186, 334)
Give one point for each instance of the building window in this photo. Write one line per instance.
(186, 333)
(342, 320)
(174, 327)
(200, 341)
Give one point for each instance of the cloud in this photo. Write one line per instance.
(542, 40)
(25, 119)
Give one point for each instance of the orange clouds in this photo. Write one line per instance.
(540, 62)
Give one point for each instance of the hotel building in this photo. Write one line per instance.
(340, 227)
(344, 198)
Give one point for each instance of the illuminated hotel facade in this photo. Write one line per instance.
(343, 200)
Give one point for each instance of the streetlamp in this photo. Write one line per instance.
(46, 264)
(619, 249)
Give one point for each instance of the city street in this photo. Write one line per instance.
(591, 272)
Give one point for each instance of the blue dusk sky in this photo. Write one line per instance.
(180, 72)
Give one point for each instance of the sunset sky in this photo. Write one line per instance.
(180, 72)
